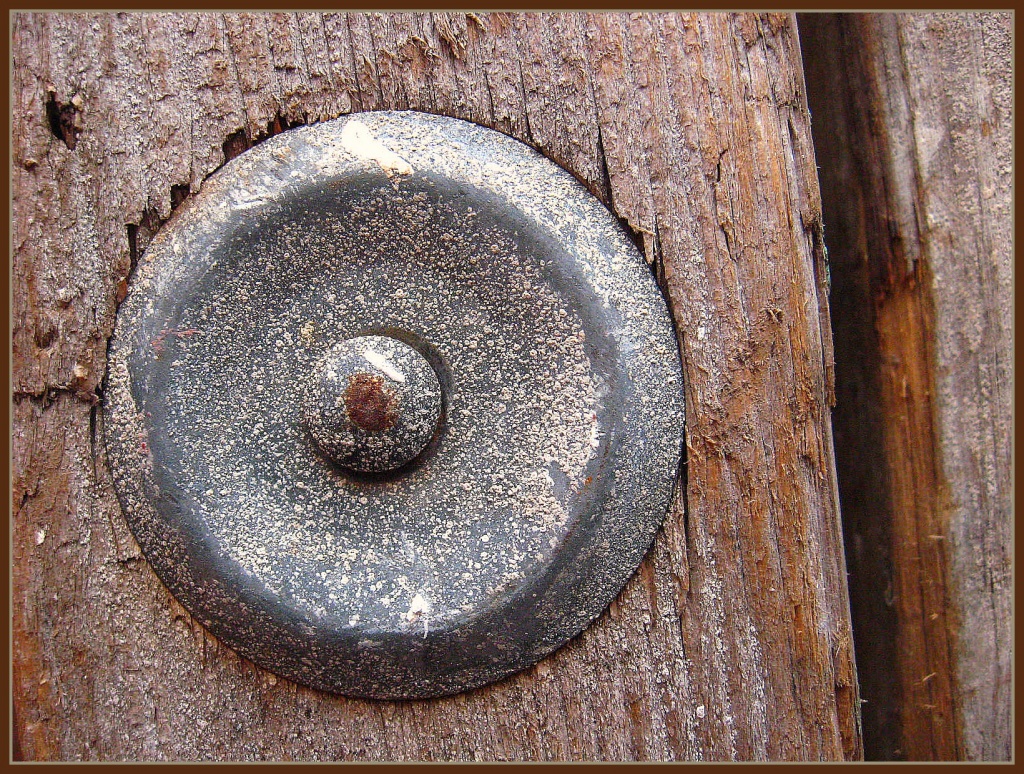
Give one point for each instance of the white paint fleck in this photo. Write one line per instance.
(357, 139)
(383, 364)
(419, 607)
(249, 204)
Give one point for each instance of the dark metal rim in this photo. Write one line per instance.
(606, 551)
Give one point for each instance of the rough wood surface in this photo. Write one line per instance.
(732, 640)
(912, 123)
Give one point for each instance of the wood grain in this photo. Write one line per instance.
(912, 120)
(733, 639)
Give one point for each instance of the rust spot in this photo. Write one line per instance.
(371, 406)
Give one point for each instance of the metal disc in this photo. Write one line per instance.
(556, 444)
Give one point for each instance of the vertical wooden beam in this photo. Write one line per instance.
(733, 639)
(912, 127)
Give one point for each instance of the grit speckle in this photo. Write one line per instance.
(529, 509)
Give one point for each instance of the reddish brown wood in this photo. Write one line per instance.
(732, 640)
(912, 119)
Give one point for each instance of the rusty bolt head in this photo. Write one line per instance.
(373, 403)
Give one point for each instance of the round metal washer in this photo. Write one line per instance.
(561, 421)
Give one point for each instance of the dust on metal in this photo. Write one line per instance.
(553, 443)
(373, 403)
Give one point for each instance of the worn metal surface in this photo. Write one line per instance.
(564, 408)
(372, 404)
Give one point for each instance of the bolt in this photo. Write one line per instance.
(373, 404)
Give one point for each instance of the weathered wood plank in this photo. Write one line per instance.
(733, 639)
(912, 120)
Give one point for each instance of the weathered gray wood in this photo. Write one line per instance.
(733, 639)
(913, 126)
